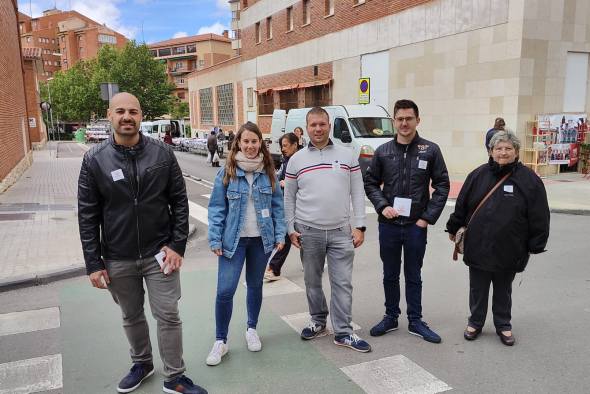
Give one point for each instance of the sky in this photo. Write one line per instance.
(162, 19)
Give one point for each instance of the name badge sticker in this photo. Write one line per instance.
(335, 166)
(265, 213)
(117, 175)
(509, 188)
(422, 164)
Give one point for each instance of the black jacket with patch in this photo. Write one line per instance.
(406, 171)
(131, 203)
(512, 223)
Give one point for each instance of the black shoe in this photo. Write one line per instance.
(384, 326)
(507, 340)
(471, 335)
(183, 385)
(138, 373)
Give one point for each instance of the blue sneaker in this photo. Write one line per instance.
(138, 373)
(183, 385)
(421, 329)
(312, 331)
(352, 341)
(386, 325)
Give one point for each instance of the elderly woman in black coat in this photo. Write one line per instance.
(511, 225)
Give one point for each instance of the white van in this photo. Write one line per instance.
(160, 127)
(360, 128)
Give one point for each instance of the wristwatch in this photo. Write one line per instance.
(363, 229)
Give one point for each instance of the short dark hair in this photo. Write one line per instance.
(291, 137)
(405, 104)
(317, 111)
(212, 132)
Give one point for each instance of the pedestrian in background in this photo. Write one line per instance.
(168, 138)
(123, 226)
(319, 184)
(212, 146)
(507, 228)
(406, 167)
(246, 222)
(299, 133)
(230, 139)
(289, 146)
(499, 125)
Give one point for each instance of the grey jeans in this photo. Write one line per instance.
(127, 289)
(335, 245)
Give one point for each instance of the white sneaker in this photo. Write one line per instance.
(254, 344)
(270, 275)
(219, 350)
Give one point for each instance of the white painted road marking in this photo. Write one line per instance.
(450, 203)
(206, 195)
(278, 287)
(201, 182)
(29, 321)
(394, 375)
(198, 212)
(299, 321)
(32, 375)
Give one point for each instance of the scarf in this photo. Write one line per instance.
(249, 165)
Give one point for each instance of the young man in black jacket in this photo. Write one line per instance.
(405, 167)
(132, 205)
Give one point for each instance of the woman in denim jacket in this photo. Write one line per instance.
(246, 222)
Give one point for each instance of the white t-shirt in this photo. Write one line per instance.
(250, 227)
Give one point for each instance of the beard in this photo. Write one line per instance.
(126, 133)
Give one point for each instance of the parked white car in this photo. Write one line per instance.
(160, 127)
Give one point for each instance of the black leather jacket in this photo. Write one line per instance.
(406, 171)
(131, 203)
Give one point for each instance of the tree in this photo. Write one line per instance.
(177, 109)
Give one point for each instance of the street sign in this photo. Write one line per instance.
(32, 122)
(108, 90)
(45, 105)
(364, 91)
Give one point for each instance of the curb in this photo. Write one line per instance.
(46, 277)
(579, 212)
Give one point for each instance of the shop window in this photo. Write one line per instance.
(269, 28)
(289, 18)
(266, 105)
(329, 7)
(191, 48)
(306, 17)
(225, 104)
(206, 100)
(164, 52)
(289, 99)
(179, 50)
(317, 96)
(257, 33)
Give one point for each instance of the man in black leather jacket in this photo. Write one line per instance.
(406, 167)
(132, 205)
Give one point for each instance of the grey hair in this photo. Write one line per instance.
(505, 136)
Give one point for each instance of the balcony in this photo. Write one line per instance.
(172, 69)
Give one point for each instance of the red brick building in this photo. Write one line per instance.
(64, 38)
(33, 67)
(15, 141)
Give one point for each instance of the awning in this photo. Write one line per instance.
(290, 87)
(182, 57)
(312, 84)
(162, 60)
(176, 74)
(263, 91)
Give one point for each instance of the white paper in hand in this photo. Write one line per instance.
(403, 206)
(160, 257)
(274, 251)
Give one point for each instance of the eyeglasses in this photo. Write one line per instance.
(408, 119)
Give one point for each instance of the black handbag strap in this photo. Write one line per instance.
(488, 195)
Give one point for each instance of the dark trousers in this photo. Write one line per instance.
(479, 291)
(276, 263)
(412, 239)
(212, 153)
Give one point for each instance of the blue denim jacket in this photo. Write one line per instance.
(227, 209)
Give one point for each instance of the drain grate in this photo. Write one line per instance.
(4, 217)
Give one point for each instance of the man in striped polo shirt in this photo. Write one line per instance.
(319, 184)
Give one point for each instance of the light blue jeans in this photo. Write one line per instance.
(250, 250)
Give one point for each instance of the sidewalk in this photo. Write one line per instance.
(41, 240)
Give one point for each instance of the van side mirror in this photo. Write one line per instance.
(346, 138)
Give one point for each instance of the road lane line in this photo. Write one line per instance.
(32, 375)
(198, 182)
(206, 196)
(198, 212)
(29, 321)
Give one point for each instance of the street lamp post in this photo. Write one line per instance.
(51, 110)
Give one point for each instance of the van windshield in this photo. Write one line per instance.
(372, 127)
(146, 128)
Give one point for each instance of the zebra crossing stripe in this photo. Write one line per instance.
(32, 375)
(29, 321)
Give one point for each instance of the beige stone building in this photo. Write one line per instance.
(464, 62)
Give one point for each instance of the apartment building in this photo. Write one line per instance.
(15, 141)
(182, 56)
(463, 62)
(65, 37)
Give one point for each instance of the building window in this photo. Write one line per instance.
(201, 63)
(20, 26)
(59, 63)
(257, 33)
(266, 105)
(179, 65)
(40, 39)
(306, 16)
(225, 104)
(329, 7)
(80, 38)
(53, 40)
(358, 2)
(269, 28)
(289, 18)
(57, 50)
(317, 96)
(65, 61)
(81, 49)
(191, 48)
(250, 95)
(181, 95)
(289, 99)
(206, 99)
(154, 52)
(64, 50)
(234, 34)
(104, 39)
(63, 38)
(180, 81)
(28, 39)
(55, 64)
(245, 3)
(164, 52)
(165, 68)
(35, 23)
(194, 64)
(234, 15)
(179, 50)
